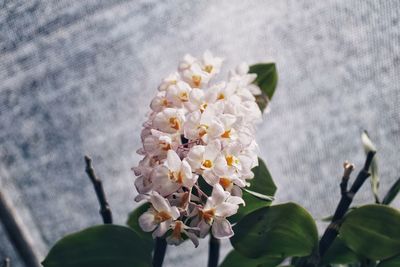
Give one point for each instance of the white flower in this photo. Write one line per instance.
(170, 120)
(170, 80)
(219, 206)
(203, 160)
(174, 174)
(178, 94)
(159, 216)
(210, 63)
(179, 229)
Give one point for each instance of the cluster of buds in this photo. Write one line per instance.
(200, 131)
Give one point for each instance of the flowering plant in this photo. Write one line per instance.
(200, 176)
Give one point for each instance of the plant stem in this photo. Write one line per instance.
(6, 262)
(105, 210)
(213, 251)
(159, 251)
(17, 233)
(347, 197)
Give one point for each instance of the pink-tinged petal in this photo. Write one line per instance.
(173, 161)
(212, 150)
(221, 228)
(218, 195)
(195, 156)
(226, 209)
(174, 213)
(210, 177)
(146, 221)
(204, 228)
(192, 237)
(235, 200)
(161, 229)
(159, 203)
(220, 166)
(186, 169)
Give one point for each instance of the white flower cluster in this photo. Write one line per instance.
(199, 131)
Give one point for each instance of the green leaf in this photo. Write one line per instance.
(267, 77)
(372, 231)
(339, 253)
(392, 193)
(278, 231)
(252, 203)
(262, 183)
(258, 194)
(101, 246)
(373, 169)
(133, 221)
(235, 259)
(392, 262)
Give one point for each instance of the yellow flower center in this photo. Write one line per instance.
(162, 216)
(174, 123)
(230, 160)
(184, 97)
(221, 96)
(196, 79)
(207, 215)
(225, 182)
(226, 134)
(207, 163)
(208, 68)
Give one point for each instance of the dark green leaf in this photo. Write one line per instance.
(252, 203)
(339, 253)
(267, 77)
(278, 231)
(392, 262)
(133, 221)
(235, 259)
(258, 194)
(368, 147)
(392, 193)
(372, 231)
(262, 182)
(101, 246)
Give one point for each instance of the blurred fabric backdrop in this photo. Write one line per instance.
(77, 78)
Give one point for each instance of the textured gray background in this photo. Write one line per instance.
(77, 77)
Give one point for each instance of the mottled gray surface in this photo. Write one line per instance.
(77, 77)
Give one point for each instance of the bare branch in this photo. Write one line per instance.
(105, 210)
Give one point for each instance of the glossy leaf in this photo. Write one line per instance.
(133, 220)
(392, 262)
(372, 231)
(262, 183)
(101, 246)
(339, 253)
(279, 231)
(267, 77)
(235, 259)
(392, 193)
(368, 147)
(259, 193)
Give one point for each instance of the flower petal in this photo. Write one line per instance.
(159, 203)
(221, 228)
(146, 221)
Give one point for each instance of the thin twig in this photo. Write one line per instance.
(213, 251)
(347, 197)
(6, 262)
(159, 251)
(105, 210)
(15, 231)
